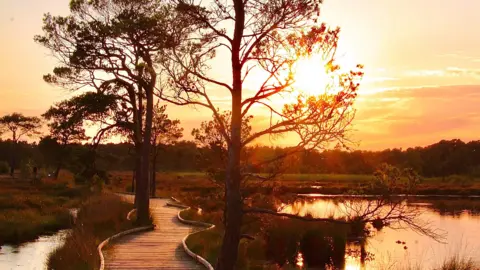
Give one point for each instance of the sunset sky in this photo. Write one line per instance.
(422, 64)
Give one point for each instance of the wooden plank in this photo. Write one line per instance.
(157, 249)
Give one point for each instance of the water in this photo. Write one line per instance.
(456, 220)
(31, 255)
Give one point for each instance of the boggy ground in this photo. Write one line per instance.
(28, 211)
(276, 241)
(304, 183)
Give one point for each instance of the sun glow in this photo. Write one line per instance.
(313, 78)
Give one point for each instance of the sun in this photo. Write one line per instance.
(312, 77)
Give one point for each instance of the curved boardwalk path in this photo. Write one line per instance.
(157, 249)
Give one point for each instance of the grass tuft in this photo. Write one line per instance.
(100, 217)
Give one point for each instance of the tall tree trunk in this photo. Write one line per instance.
(153, 185)
(233, 219)
(138, 172)
(233, 200)
(132, 187)
(142, 182)
(12, 160)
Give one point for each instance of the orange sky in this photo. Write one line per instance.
(422, 62)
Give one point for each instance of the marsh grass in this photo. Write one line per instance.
(170, 183)
(99, 217)
(458, 262)
(28, 211)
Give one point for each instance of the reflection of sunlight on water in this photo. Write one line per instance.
(383, 249)
(31, 255)
(299, 260)
(352, 265)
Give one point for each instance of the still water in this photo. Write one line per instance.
(456, 220)
(31, 255)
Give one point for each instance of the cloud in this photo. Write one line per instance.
(455, 71)
(367, 79)
(425, 73)
(449, 71)
(405, 117)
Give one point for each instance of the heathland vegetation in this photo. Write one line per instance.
(446, 167)
(27, 211)
(131, 58)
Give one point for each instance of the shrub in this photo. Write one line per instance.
(100, 217)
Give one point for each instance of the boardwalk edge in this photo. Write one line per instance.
(106, 241)
(208, 226)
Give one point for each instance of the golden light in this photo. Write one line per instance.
(312, 77)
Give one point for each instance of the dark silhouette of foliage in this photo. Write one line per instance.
(66, 121)
(19, 126)
(111, 47)
(164, 132)
(268, 38)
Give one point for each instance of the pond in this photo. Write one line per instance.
(456, 221)
(31, 255)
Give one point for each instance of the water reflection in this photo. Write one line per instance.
(403, 248)
(32, 255)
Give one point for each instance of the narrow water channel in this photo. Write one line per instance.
(31, 255)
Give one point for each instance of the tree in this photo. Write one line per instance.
(208, 136)
(164, 132)
(66, 127)
(19, 125)
(110, 46)
(265, 37)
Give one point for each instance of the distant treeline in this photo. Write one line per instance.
(441, 159)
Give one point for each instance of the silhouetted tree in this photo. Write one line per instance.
(66, 127)
(164, 132)
(19, 125)
(267, 38)
(110, 46)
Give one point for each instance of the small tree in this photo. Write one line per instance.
(164, 132)
(66, 127)
(20, 126)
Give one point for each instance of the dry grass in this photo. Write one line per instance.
(197, 182)
(28, 211)
(458, 263)
(100, 217)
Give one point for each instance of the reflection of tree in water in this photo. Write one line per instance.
(361, 217)
(453, 207)
(359, 250)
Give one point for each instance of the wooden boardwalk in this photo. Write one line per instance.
(157, 249)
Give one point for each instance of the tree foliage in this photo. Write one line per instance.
(266, 38)
(20, 125)
(111, 47)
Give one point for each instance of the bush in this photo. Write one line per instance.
(4, 168)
